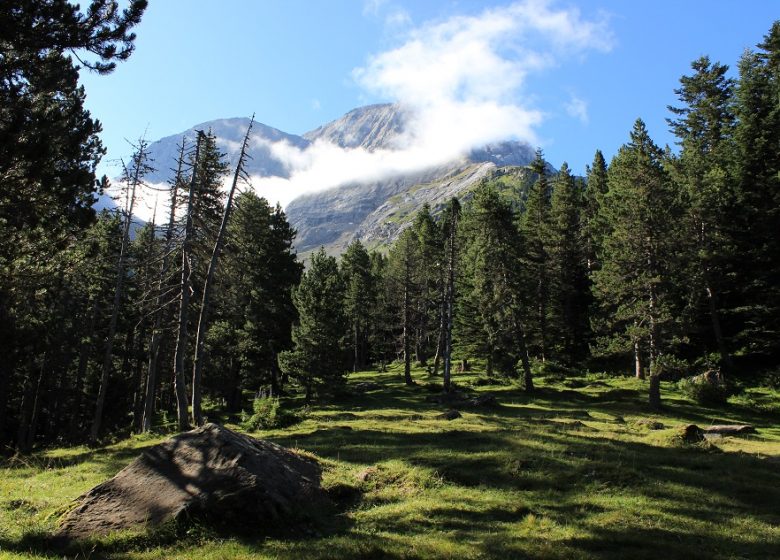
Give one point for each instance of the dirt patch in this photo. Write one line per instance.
(210, 472)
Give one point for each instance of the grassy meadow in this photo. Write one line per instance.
(580, 470)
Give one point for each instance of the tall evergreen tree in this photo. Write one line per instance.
(567, 317)
(593, 229)
(704, 128)
(427, 304)
(451, 223)
(211, 270)
(634, 282)
(534, 231)
(490, 318)
(359, 299)
(318, 359)
(403, 289)
(49, 150)
(757, 170)
(133, 183)
(254, 312)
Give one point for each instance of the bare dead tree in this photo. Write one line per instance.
(159, 307)
(197, 366)
(185, 287)
(133, 178)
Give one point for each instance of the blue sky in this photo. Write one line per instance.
(571, 81)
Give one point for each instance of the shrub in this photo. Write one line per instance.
(772, 379)
(266, 414)
(706, 389)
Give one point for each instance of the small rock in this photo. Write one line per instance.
(691, 433)
(650, 424)
(450, 415)
(367, 386)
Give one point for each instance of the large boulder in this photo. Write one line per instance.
(211, 472)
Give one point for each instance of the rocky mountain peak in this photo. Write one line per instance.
(371, 127)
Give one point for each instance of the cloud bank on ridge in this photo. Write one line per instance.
(462, 81)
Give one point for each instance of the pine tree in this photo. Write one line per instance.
(634, 282)
(318, 358)
(382, 315)
(567, 317)
(427, 304)
(211, 270)
(490, 317)
(704, 126)
(595, 190)
(49, 149)
(133, 183)
(253, 308)
(757, 171)
(403, 277)
(359, 299)
(534, 226)
(451, 223)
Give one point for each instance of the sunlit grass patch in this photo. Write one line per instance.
(578, 470)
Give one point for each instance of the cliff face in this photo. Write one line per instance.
(374, 212)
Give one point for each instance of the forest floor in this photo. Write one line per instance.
(582, 469)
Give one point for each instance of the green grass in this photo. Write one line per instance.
(574, 472)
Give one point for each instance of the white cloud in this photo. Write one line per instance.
(398, 17)
(577, 108)
(462, 79)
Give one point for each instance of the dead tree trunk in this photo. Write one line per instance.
(154, 344)
(140, 168)
(185, 287)
(197, 365)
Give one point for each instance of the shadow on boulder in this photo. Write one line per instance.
(211, 474)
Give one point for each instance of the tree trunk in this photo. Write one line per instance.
(6, 367)
(542, 313)
(36, 406)
(407, 327)
(30, 390)
(154, 344)
(357, 349)
(655, 392)
(184, 301)
(139, 383)
(449, 300)
(200, 336)
(639, 373)
(139, 161)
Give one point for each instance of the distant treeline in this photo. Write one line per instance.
(661, 263)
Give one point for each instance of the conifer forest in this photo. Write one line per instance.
(654, 278)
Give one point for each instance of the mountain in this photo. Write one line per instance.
(371, 127)
(374, 211)
(229, 133)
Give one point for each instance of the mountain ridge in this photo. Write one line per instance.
(375, 211)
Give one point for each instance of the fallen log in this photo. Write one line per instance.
(730, 429)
